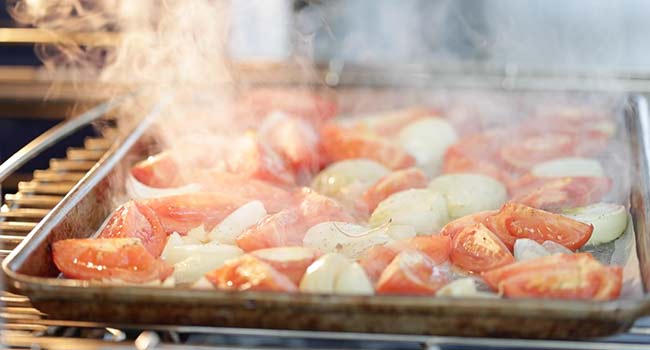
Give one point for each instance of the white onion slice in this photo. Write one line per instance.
(237, 222)
(322, 274)
(137, 190)
(422, 209)
(570, 166)
(347, 239)
(348, 179)
(609, 220)
(469, 193)
(528, 249)
(555, 248)
(427, 141)
(353, 280)
(458, 288)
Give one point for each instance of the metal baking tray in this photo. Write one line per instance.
(30, 271)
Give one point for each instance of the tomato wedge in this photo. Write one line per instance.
(477, 249)
(454, 227)
(560, 276)
(296, 141)
(124, 259)
(274, 197)
(392, 183)
(160, 171)
(181, 213)
(309, 105)
(289, 226)
(134, 219)
(411, 272)
(250, 273)
(514, 221)
(249, 158)
(529, 150)
(568, 192)
(339, 144)
(377, 258)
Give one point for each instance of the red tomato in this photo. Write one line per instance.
(529, 150)
(314, 107)
(250, 273)
(134, 219)
(478, 153)
(249, 158)
(411, 272)
(289, 226)
(125, 259)
(289, 261)
(158, 171)
(390, 123)
(375, 260)
(181, 213)
(340, 144)
(454, 227)
(516, 221)
(296, 141)
(477, 249)
(561, 276)
(392, 183)
(567, 192)
(273, 197)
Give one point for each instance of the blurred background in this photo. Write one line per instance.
(593, 38)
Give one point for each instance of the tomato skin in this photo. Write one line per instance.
(273, 197)
(411, 272)
(308, 105)
(568, 192)
(561, 276)
(296, 141)
(452, 228)
(134, 219)
(531, 149)
(390, 123)
(477, 249)
(250, 158)
(124, 259)
(289, 226)
(250, 273)
(341, 144)
(181, 213)
(160, 171)
(376, 259)
(478, 153)
(392, 183)
(514, 221)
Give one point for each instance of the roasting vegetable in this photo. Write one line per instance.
(321, 276)
(347, 180)
(250, 273)
(135, 219)
(477, 249)
(237, 222)
(561, 276)
(569, 167)
(425, 210)
(516, 221)
(412, 272)
(394, 182)
(339, 144)
(347, 239)
(290, 261)
(527, 249)
(609, 221)
(123, 259)
(427, 140)
(560, 193)
(469, 193)
(138, 190)
(353, 280)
